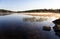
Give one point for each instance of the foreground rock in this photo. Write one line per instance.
(56, 28)
(56, 22)
(57, 25)
(46, 28)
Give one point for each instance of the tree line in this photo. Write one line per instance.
(35, 10)
(3, 10)
(42, 10)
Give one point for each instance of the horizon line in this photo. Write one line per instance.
(29, 9)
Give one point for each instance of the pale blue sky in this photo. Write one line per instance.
(28, 4)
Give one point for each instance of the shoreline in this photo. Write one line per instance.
(44, 14)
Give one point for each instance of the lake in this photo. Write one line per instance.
(21, 26)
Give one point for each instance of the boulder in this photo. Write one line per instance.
(56, 28)
(57, 25)
(46, 28)
(56, 22)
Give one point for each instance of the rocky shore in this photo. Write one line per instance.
(57, 25)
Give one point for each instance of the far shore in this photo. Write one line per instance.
(44, 14)
(48, 14)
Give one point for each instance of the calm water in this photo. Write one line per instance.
(20, 26)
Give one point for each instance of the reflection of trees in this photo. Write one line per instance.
(34, 19)
(57, 30)
(57, 33)
(3, 10)
(42, 10)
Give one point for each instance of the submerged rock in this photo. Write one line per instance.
(46, 28)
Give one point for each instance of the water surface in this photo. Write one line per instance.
(21, 26)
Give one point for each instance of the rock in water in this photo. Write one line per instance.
(57, 25)
(56, 22)
(56, 28)
(46, 28)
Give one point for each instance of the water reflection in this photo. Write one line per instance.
(3, 14)
(57, 31)
(34, 19)
(16, 26)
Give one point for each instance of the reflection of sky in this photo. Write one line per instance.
(28, 4)
(14, 23)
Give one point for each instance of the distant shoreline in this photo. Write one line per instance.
(32, 11)
(57, 15)
(37, 12)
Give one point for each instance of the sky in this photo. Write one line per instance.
(20, 5)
